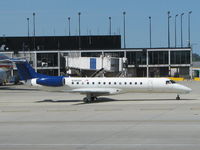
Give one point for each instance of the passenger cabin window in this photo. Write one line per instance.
(115, 83)
(99, 82)
(104, 83)
(125, 83)
(120, 83)
(92, 82)
(135, 83)
(109, 83)
(130, 83)
(72, 82)
(77, 82)
(140, 83)
(88, 83)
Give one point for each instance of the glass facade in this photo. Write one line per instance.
(98, 54)
(158, 71)
(91, 54)
(158, 61)
(136, 58)
(141, 71)
(60, 42)
(180, 57)
(158, 57)
(177, 57)
(47, 60)
(52, 72)
(114, 54)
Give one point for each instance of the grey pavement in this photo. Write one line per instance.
(32, 120)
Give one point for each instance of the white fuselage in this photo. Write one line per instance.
(108, 86)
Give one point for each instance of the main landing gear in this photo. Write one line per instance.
(89, 98)
(178, 97)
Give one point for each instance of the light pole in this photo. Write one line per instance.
(150, 31)
(189, 28)
(79, 29)
(69, 25)
(34, 31)
(28, 26)
(110, 25)
(182, 30)
(175, 29)
(28, 40)
(79, 23)
(168, 14)
(124, 20)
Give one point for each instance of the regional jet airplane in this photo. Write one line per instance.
(94, 87)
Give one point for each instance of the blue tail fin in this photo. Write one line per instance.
(26, 72)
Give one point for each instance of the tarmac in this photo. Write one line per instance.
(35, 120)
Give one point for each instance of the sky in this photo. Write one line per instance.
(51, 19)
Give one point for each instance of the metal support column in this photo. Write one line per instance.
(12, 72)
(191, 76)
(35, 61)
(147, 59)
(125, 69)
(58, 63)
(102, 62)
(169, 62)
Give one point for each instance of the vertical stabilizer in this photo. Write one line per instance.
(26, 72)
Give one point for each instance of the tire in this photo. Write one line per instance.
(85, 100)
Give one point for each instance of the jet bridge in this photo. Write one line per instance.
(94, 64)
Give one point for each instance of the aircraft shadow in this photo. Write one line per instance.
(17, 89)
(104, 100)
(99, 100)
(57, 101)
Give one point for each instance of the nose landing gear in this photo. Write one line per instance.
(178, 97)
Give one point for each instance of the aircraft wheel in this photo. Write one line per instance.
(178, 97)
(88, 99)
(85, 100)
(93, 99)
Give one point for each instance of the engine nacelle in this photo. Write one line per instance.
(51, 81)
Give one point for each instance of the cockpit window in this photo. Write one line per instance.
(167, 82)
(170, 82)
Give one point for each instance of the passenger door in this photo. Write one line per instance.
(150, 85)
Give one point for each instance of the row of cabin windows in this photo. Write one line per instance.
(115, 83)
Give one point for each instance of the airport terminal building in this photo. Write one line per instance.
(84, 55)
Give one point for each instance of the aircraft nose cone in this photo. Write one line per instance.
(186, 89)
(183, 89)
